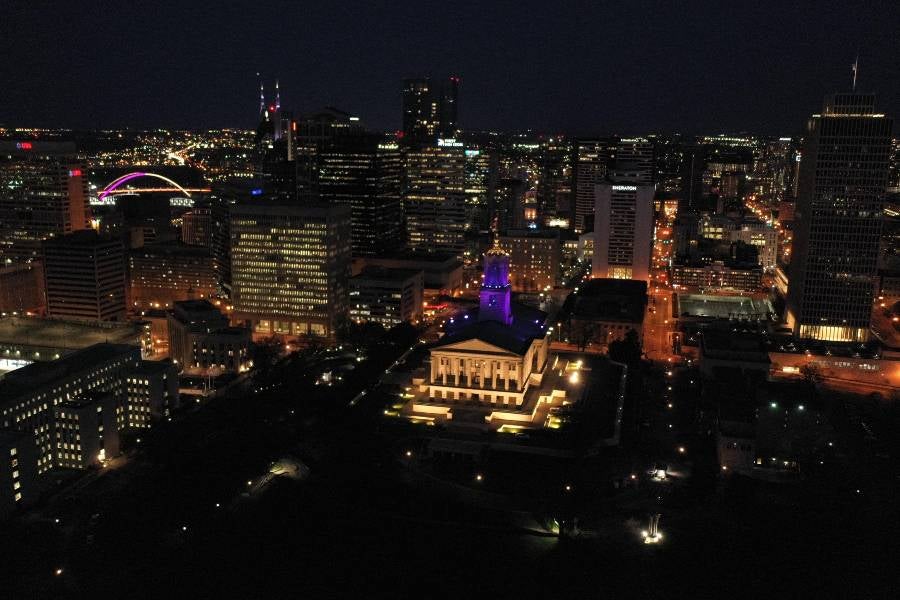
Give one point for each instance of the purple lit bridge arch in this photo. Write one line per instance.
(114, 185)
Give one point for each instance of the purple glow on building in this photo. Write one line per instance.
(495, 291)
(496, 271)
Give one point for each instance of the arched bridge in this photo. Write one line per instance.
(114, 186)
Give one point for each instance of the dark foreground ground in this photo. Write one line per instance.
(179, 521)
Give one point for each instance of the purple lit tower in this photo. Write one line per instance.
(495, 290)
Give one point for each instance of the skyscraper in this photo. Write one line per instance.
(838, 220)
(592, 159)
(84, 275)
(554, 191)
(636, 156)
(364, 172)
(317, 132)
(623, 228)
(693, 164)
(434, 198)
(275, 147)
(289, 268)
(481, 168)
(42, 193)
(429, 108)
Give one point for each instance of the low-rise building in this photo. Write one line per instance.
(85, 431)
(534, 259)
(47, 399)
(769, 431)
(22, 288)
(602, 311)
(443, 273)
(24, 340)
(201, 339)
(386, 296)
(718, 275)
(761, 235)
(722, 348)
(151, 390)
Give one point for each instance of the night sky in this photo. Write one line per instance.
(575, 67)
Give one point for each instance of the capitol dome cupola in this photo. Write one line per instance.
(495, 288)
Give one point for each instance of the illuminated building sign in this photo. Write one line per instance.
(23, 146)
(624, 188)
(449, 143)
(75, 173)
(473, 152)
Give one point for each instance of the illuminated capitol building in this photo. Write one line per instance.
(493, 369)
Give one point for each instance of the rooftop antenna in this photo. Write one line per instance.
(262, 97)
(277, 96)
(855, 67)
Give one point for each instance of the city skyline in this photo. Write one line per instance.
(451, 300)
(691, 68)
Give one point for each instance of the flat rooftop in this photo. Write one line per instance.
(723, 307)
(29, 377)
(64, 335)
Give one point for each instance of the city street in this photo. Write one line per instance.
(659, 323)
(659, 326)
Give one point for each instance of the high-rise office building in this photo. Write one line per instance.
(84, 277)
(275, 147)
(196, 227)
(429, 109)
(623, 232)
(508, 204)
(636, 157)
(434, 199)
(42, 194)
(837, 226)
(364, 173)
(315, 133)
(554, 190)
(207, 226)
(592, 160)
(289, 267)
(160, 274)
(481, 170)
(693, 164)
